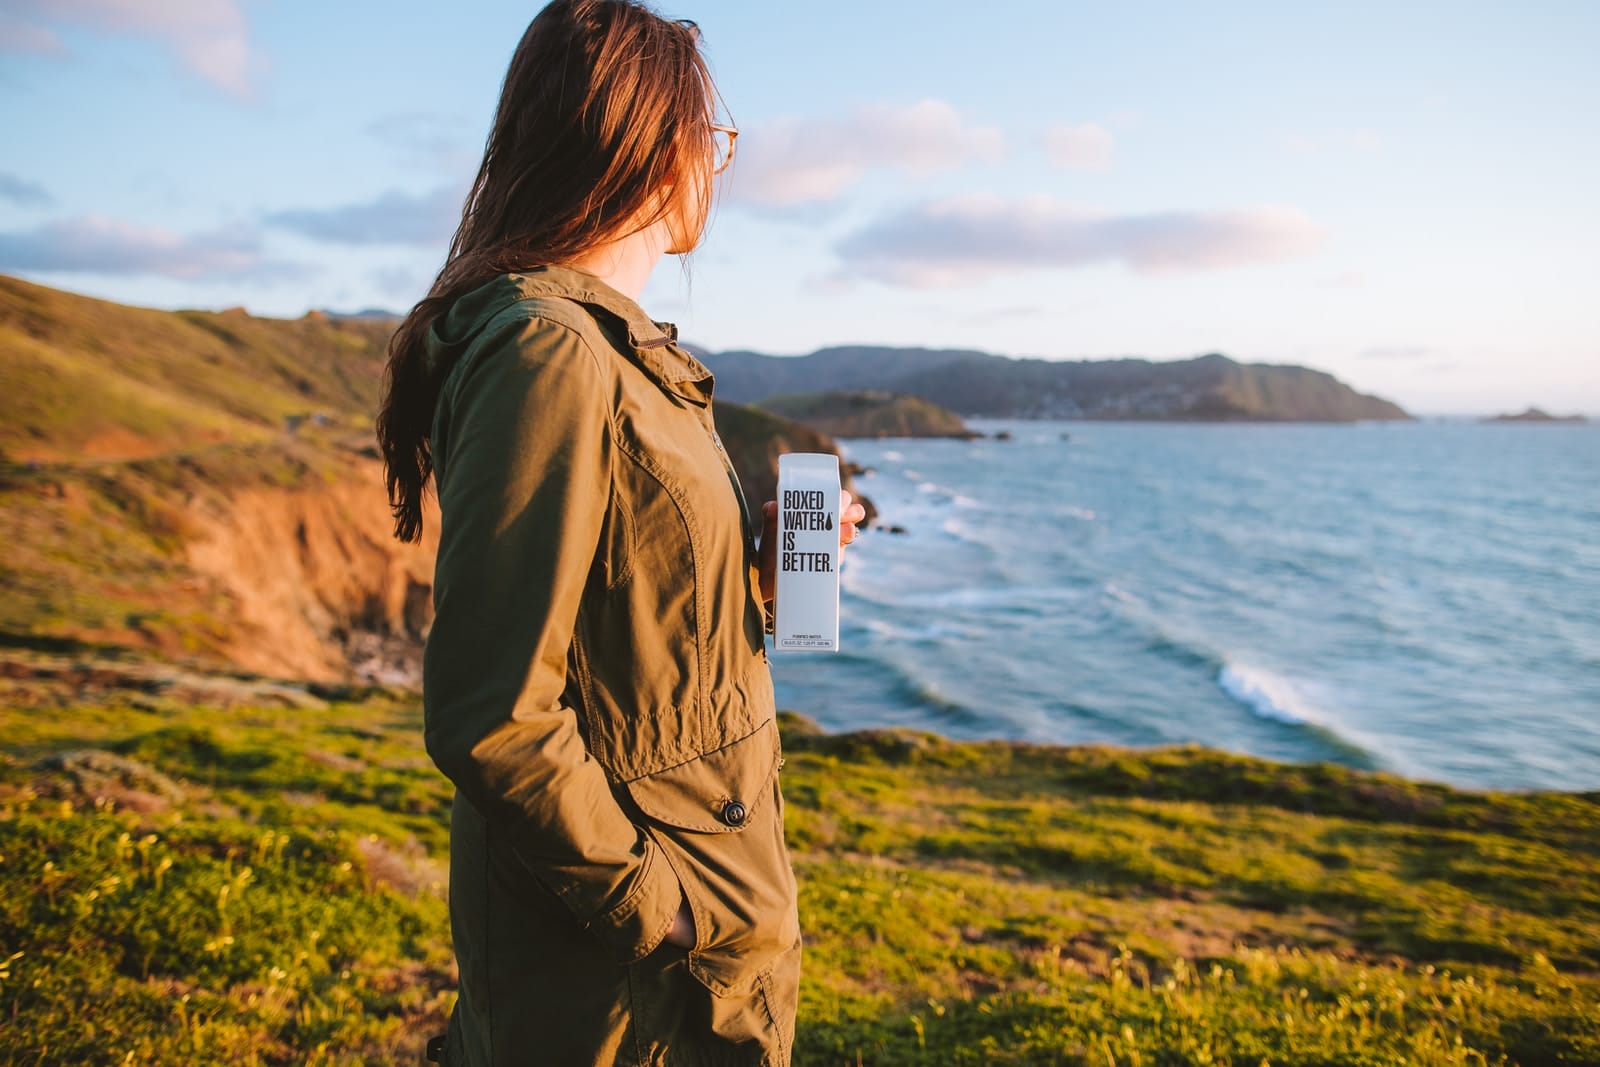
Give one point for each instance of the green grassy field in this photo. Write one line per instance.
(259, 880)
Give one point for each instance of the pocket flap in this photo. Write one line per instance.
(717, 792)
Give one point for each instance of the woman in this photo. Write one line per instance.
(595, 681)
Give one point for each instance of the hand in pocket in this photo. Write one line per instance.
(681, 933)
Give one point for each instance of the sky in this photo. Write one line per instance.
(1400, 194)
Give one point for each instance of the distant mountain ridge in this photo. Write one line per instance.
(1207, 388)
(1534, 414)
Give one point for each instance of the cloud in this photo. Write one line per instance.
(22, 192)
(210, 37)
(1087, 146)
(948, 242)
(395, 218)
(18, 36)
(794, 161)
(96, 245)
(431, 140)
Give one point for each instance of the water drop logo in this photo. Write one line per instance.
(829, 524)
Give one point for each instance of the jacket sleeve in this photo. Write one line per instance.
(524, 487)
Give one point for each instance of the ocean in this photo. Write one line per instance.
(1421, 598)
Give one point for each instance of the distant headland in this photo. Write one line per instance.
(1535, 415)
(1209, 388)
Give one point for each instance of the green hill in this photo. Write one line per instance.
(868, 413)
(253, 874)
(87, 379)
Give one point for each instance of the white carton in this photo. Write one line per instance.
(808, 552)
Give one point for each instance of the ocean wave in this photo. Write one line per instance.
(934, 709)
(1116, 591)
(1187, 653)
(926, 631)
(960, 530)
(1275, 699)
(1260, 692)
(1160, 638)
(1267, 695)
(945, 494)
(989, 598)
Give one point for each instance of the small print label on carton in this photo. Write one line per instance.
(808, 552)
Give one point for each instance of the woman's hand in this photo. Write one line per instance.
(850, 513)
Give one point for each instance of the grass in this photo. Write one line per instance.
(258, 884)
(868, 413)
(90, 377)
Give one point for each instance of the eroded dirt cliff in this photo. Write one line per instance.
(320, 588)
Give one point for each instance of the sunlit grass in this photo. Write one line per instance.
(263, 885)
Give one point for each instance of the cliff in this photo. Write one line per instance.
(1208, 388)
(204, 487)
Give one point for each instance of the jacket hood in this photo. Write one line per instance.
(452, 332)
(654, 344)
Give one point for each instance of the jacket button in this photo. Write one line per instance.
(733, 813)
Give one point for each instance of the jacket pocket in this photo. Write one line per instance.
(718, 792)
(719, 821)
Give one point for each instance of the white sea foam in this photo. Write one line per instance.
(1269, 696)
(976, 534)
(924, 631)
(1276, 699)
(893, 456)
(1080, 513)
(1116, 591)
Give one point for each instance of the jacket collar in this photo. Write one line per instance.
(655, 344)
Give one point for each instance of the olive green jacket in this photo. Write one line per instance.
(595, 680)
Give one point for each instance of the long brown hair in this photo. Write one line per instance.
(605, 103)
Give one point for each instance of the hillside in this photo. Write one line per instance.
(1209, 388)
(868, 413)
(255, 875)
(200, 486)
(88, 380)
(204, 487)
(755, 439)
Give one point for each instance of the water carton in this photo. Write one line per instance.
(808, 552)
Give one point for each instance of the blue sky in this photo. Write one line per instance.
(1402, 194)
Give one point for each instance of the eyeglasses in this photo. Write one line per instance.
(723, 139)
